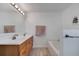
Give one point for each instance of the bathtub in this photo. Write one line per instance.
(53, 47)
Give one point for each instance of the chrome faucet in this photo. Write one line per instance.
(14, 36)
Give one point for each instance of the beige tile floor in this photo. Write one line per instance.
(39, 52)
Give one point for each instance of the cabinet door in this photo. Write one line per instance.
(22, 48)
(25, 47)
(8, 50)
(23, 51)
(29, 45)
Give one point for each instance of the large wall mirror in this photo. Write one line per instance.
(10, 16)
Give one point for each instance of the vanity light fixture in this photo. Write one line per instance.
(17, 8)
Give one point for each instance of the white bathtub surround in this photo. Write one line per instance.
(7, 39)
(53, 47)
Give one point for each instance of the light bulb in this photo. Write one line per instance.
(19, 9)
(16, 6)
(23, 13)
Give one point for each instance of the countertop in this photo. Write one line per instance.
(17, 41)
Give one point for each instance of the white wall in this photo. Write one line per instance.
(12, 18)
(68, 15)
(52, 21)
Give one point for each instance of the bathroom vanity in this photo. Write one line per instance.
(17, 47)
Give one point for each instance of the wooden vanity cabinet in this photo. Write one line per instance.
(26, 47)
(17, 50)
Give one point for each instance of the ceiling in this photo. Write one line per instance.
(44, 7)
(36, 7)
